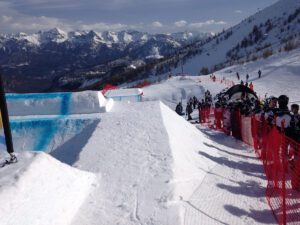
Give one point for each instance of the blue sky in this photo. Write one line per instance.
(154, 16)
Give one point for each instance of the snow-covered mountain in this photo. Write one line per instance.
(55, 52)
(268, 32)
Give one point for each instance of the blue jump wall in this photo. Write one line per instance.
(45, 132)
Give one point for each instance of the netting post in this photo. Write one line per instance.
(283, 151)
(5, 118)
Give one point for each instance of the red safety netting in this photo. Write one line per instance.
(108, 87)
(223, 80)
(279, 153)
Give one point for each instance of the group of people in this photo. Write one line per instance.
(193, 103)
(251, 86)
(247, 76)
(268, 110)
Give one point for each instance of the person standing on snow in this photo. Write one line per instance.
(179, 109)
(195, 102)
(251, 86)
(270, 110)
(189, 110)
(283, 115)
(295, 123)
(259, 74)
(247, 78)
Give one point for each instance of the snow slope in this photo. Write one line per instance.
(277, 14)
(41, 190)
(153, 163)
(280, 75)
(143, 176)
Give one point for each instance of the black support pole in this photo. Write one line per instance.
(5, 118)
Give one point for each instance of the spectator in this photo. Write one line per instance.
(283, 114)
(295, 123)
(189, 110)
(195, 102)
(247, 77)
(270, 110)
(179, 109)
(251, 86)
(259, 74)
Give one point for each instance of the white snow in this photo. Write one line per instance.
(148, 165)
(154, 54)
(213, 54)
(55, 103)
(41, 190)
(280, 75)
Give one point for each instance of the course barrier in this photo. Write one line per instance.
(46, 121)
(278, 152)
(226, 82)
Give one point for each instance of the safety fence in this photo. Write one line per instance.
(107, 88)
(226, 82)
(278, 152)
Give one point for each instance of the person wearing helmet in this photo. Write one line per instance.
(283, 114)
(270, 110)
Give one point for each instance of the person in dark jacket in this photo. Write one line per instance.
(179, 109)
(259, 74)
(283, 115)
(189, 110)
(195, 102)
(295, 122)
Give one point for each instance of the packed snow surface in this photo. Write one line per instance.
(41, 190)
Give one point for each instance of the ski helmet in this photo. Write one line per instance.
(283, 101)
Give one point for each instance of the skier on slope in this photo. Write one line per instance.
(259, 74)
(247, 78)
